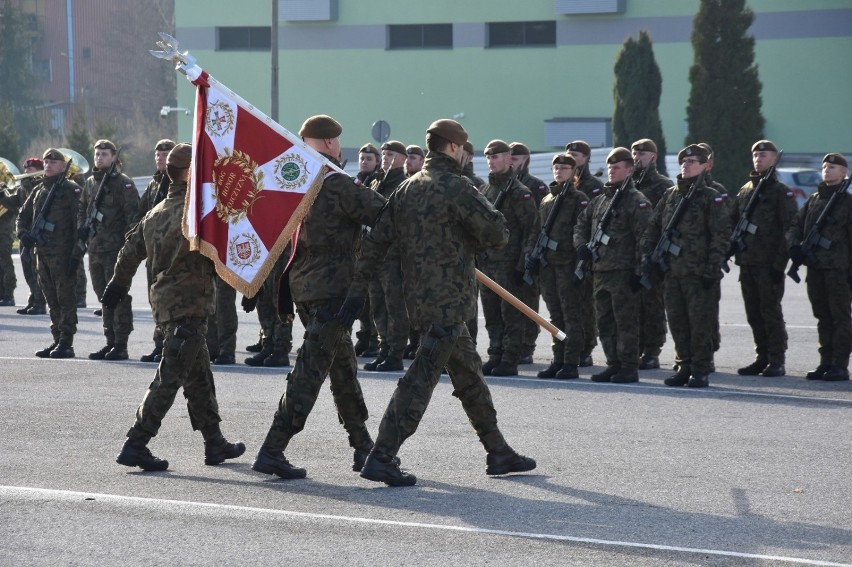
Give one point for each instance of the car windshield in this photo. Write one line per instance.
(807, 178)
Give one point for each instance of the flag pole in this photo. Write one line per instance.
(520, 305)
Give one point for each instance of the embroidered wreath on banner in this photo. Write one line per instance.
(291, 171)
(244, 253)
(238, 183)
(220, 119)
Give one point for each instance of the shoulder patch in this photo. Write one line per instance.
(596, 191)
(584, 203)
(790, 194)
(526, 196)
(644, 205)
(128, 185)
(718, 200)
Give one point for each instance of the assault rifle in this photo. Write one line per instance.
(600, 237)
(41, 224)
(814, 237)
(544, 241)
(666, 245)
(744, 225)
(94, 214)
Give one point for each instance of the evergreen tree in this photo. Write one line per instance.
(10, 147)
(724, 108)
(638, 85)
(17, 82)
(77, 135)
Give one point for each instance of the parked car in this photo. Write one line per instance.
(803, 181)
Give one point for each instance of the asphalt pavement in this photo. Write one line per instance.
(751, 471)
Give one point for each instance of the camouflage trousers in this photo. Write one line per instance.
(58, 291)
(829, 294)
(568, 310)
(531, 296)
(617, 310)
(8, 281)
(81, 285)
(504, 323)
(763, 291)
(185, 364)
(441, 347)
(690, 309)
(31, 276)
(222, 324)
(158, 332)
(326, 351)
(387, 306)
(271, 326)
(590, 323)
(118, 322)
(652, 318)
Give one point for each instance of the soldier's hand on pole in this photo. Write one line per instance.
(350, 310)
(249, 303)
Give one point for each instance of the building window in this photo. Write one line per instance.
(419, 36)
(258, 38)
(515, 34)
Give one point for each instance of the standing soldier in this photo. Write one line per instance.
(652, 312)
(439, 220)
(387, 305)
(155, 192)
(414, 157)
(276, 336)
(504, 323)
(521, 165)
(615, 272)
(689, 285)
(181, 311)
(367, 337)
(467, 171)
(829, 278)
(10, 203)
(35, 302)
(53, 254)
(118, 206)
(763, 258)
(567, 308)
(222, 326)
(320, 275)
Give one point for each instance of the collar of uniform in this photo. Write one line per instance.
(499, 178)
(442, 161)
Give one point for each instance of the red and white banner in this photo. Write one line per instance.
(252, 184)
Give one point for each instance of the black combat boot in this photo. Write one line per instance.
(62, 350)
(774, 369)
(489, 366)
(649, 362)
(816, 373)
(270, 461)
(836, 374)
(699, 381)
(101, 354)
(155, 355)
(256, 347)
(7, 301)
(118, 352)
(680, 378)
(257, 360)
(390, 364)
(45, 352)
(504, 460)
(625, 376)
(224, 358)
(361, 345)
(526, 359)
(380, 467)
(410, 352)
(372, 349)
(550, 371)
(567, 372)
(277, 359)
(136, 455)
(586, 360)
(219, 450)
(375, 364)
(754, 368)
(37, 310)
(606, 374)
(505, 369)
(23, 310)
(97, 312)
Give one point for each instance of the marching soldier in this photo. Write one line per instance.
(35, 302)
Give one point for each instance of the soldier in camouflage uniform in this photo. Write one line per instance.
(276, 339)
(439, 220)
(181, 299)
(829, 280)
(592, 187)
(567, 308)
(616, 274)
(763, 261)
(693, 274)
(9, 206)
(319, 279)
(467, 168)
(119, 205)
(414, 157)
(387, 305)
(652, 311)
(35, 302)
(504, 323)
(53, 258)
(367, 337)
(222, 324)
(155, 192)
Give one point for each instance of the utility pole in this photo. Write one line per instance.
(273, 46)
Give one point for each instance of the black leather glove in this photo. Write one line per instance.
(518, 277)
(72, 265)
(798, 255)
(113, 294)
(532, 266)
(584, 254)
(27, 241)
(249, 303)
(350, 310)
(635, 283)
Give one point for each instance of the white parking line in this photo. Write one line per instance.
(180, 505)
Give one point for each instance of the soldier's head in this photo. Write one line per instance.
(368, 158)
(619, 165)
(393, 155)
(414, 158)
(178, 162)
(834, 168)
(520, 156)
(710, 161)
(764, 154)
(161, 152)
(322, 133)
(644, 152)
(692, 160)
(33, 164)
(54, 162)
(498, 154)
(446, 136)
(105, 152)
(563, 166)
(580, 151)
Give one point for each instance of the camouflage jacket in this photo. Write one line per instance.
(325, 254)
(439, 220)
(155, 192)
(654, 183)
(385, 186)
(181, 280)
(521, 216)
(573, 204)
(589, 184)
(702, 232)
(120, 208)
(625, 230)
(837, 229)
(773, 214)
(537, 187)
(10, 205)
(63, 214)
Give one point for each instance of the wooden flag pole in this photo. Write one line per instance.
(519, 305)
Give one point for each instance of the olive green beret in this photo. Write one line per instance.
(644, 145)
(180, 156)
(564, 159)
(415, 150)
(449, 130)
(496, 147)
(579, 146)
(394, 146)
(370, 149)
(321, 127)
(764, 146)
(468, 147)
(519, 149)
(164, 145)
(105, 145)
(707, 147)
(53, 153)
(693, 150)
(619, 154)
(836, 159)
